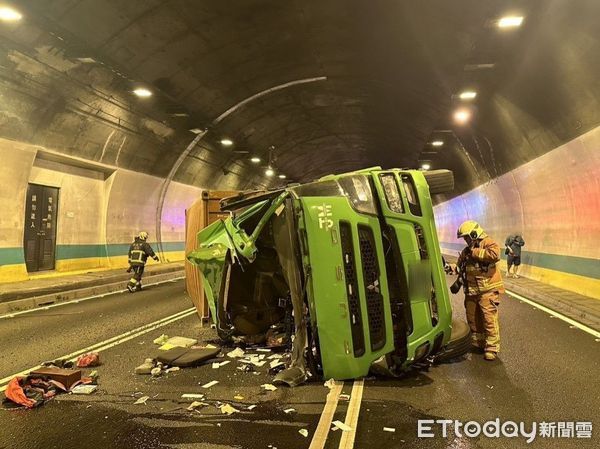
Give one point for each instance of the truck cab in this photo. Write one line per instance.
(348, 267)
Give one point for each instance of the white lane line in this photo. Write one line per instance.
(347, 440)
(75, 301)
(559, 315)
(320, 435)
(114, 341)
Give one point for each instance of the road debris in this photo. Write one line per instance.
(210, 384)
(195, 405)
(289, 410)
(84, 389)
(142, 400)
(88, 360)
(251, 407)
(227, 409)
(330, 383)
(389, 429)
(303, 432)
(171, 369)
(236, 353)
(146, 367)
(340, 425)
(193, 396)
(238, 397)
(269, 387)
(217, 365)
(161, 340)
(344, 397)
(156, 372)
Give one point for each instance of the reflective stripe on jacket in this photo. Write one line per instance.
(139, 252)
(480, 265)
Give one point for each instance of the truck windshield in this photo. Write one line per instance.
(357, 188)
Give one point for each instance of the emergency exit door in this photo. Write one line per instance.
(39, 239)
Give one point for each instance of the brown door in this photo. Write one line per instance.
(39, 239)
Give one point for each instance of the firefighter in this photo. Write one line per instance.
(483, 286)
(139, 251)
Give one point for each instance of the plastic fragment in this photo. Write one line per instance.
(210, 384)
(142, 400)
(340, 425)
(217, 365)
(161, 340)
(196, 404)
(389, 429)
(303, 432)
(236, 353)
(227, 409)
(269, 387)
(192, 396)
(289, 410)
(344, 397)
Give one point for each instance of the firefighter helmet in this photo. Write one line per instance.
(470, 228)
(143, 235)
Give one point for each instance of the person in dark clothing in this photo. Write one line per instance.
(139, 251)
(513, 245)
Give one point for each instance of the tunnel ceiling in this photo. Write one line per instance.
(385, 75)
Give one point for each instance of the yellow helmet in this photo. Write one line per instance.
(470, 228)
(143, 235)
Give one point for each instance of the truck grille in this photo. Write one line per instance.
(370, 264)
(358, 339)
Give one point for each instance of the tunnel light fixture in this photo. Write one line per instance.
(255, 160)
(510, 21)
(425, 166)
(142, 92)
(462, 116)
(437, 143)
(8, 14)
(226, 142)
(282, 176)
(269, 172)
(467, 95)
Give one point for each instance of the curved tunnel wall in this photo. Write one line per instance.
(554, 201)
(100, 209)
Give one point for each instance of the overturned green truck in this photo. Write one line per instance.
(347, 267)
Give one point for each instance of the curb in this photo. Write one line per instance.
(81, 293)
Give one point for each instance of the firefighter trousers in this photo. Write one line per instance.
(136, 277)
(482, 315)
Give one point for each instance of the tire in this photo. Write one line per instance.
(459, 344)
(440, 181)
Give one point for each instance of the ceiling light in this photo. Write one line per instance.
(462, 116)
(282, 176)
(142, 92)
(425, 166)
(226, 142)
(196, 130)
(467, 95)
(437, 143)
(9, 14)
(510, 21)
(269, 172)
(255, 159)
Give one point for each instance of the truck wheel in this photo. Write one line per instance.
(459, 344)
(440, 181)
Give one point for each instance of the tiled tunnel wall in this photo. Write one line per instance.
(99, 211)
(554, 201)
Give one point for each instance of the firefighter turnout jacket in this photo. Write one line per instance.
(139, 251)
(479, 261)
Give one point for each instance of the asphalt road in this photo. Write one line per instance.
(548, 372)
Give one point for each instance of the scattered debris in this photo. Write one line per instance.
(389, 429)
(217, 365)
(156, 372)
(146, 367)
(269, 387)
(491, 387)
(275, 356)
(238, 397)
(173, 368)
(192, 396)
(289, 410)
(340, 425)
(263, 349)
(84, 389)
(227, 409)
(251, 407)
(142, 400)
(344, 397)
(195, 405)
(275, 363)
(303, 432)
(178, 342)
(330, 383)
(247, 369)
(210, 384)
(236, 353)
(88, 360)
(66, 377)
(161, 340)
